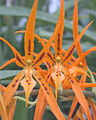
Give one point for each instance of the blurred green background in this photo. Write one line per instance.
(13, 17)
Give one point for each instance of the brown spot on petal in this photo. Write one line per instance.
(48, 65)
(29, 45)
(50, 57)
(48, 93)
(13, 85)
(26, 80)
(45, 88)
(29, 83)
(58, 43)
(39, 58)
(39, 78)
(71, 81)
(16, 80)
(69, 54)
(17, 57)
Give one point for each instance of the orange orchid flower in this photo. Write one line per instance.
(62, 72)
(31, 67)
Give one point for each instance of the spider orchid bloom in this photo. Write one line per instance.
(30, 67)
(80, 54)
(62, 72)
(9, 109)
(79, 115)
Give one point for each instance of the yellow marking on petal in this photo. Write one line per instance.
(58, 59)
(28, 62)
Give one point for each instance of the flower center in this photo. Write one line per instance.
(58, 59)
(28, 62)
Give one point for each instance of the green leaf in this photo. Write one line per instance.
(69, 4)
(20, 111)
(8, 73)
(90, 11)
(45, 17)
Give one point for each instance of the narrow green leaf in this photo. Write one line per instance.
(45, 17)
(8, 73)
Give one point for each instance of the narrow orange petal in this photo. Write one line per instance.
(40, 106)
(12, 87)
(76, 70)
(11, 108)
(83, 55)
(75, 20)
(81, 98)
(49, 96)
(48, 64)
(58, 37)
(29, 33)
(39, 58)
(87, 84)
(69, 52)
(3, 112)
(72, 109)
(19, 60)
(35, 35)
(11, 114)
(79, 114)
(50, 57)
(41, 103)
(67, 85)
(93, 107)
(7, 63)
(75, 33)
(79, 94)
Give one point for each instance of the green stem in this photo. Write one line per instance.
(24, 100)
(92, 78)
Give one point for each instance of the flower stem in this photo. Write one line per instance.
(24, 100)
(92, 79)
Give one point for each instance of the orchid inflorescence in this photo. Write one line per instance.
(62, 71)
